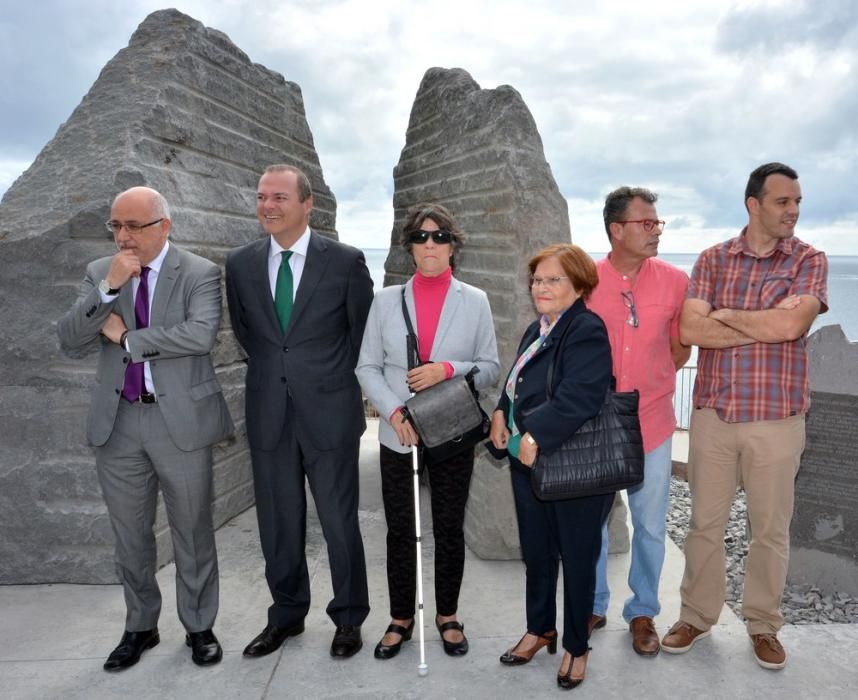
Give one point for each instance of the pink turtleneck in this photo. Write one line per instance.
(429, 295)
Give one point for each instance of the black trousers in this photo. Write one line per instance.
(550, 532)
(281, 509)
(449, 482)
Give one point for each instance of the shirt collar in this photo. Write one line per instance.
(156, 264)
(300, 246)
(609, 265)
(739, 245)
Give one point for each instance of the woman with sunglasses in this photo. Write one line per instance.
(455, 332)
(561, 278)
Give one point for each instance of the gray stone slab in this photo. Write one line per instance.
(183, 110)
(479, 153)
(824, 530)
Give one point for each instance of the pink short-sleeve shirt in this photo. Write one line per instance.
(641, 354)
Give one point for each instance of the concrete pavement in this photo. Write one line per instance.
(56, 637)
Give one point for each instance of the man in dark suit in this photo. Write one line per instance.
(156, 410)
(298, 304)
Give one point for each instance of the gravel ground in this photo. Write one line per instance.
(802, 604)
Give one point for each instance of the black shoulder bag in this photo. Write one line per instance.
(604, 455)
(447, 416)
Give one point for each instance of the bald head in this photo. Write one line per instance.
(140, 218)
(146, 197)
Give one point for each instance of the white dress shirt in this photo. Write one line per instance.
(296, 262)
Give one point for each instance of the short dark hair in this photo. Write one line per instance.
(442, 217)
(617, 203)
(578, 266)
(304, 188)
(757, 179)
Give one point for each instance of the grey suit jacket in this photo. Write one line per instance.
(183, 325)
(465, 337)
(309, 369)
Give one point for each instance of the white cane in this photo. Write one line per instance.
(423, 668)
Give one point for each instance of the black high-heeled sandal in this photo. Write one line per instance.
(453, 648)
(543, 640)
(388, 651)
(567, 681)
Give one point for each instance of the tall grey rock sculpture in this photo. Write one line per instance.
(183, 110)
(479, 153)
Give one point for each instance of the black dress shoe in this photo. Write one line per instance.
(271, 639)
(347, 641)
(385, 651)
(131, 646)
(453, 648)
(205, 648)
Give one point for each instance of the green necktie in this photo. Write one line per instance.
(283, 291)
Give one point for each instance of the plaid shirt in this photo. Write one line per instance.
(760, 381)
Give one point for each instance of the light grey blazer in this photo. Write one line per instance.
(183, 325)
(465, 338)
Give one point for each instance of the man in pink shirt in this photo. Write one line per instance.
(639, 298)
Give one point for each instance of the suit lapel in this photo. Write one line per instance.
(260, 283)
(126, 305)
(409, 303)
(167, 276)
(314, 268)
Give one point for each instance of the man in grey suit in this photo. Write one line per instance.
(157, 408)
(298, 303)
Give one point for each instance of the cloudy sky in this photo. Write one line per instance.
(686, 98)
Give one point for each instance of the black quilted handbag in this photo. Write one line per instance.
(603, 456)
(447, 416)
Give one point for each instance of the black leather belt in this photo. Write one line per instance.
(148, 398)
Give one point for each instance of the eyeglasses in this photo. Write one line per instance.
(648, 224)
(629, 299)
(441, 236)
(116, 226)
(550, 282)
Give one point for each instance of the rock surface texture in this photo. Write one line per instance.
(183, 110)
(824, 531)
(478, 152)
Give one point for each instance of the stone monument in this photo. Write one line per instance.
(824, 531)
(183, 110)
(478, 152)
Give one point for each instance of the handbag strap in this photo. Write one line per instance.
(412, 352)
(552, 368)
(411, 347)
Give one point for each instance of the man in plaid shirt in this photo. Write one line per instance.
(751, 301)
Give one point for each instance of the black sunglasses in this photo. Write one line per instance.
(441, 236)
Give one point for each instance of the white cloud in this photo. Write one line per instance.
(685, 99)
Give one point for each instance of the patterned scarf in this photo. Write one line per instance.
(545, 328)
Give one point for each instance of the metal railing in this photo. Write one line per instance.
(682, 396)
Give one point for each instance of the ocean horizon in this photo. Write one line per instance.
(842, 284)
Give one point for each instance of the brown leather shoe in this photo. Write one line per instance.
(596, 622)
(644, 637)
(518, 656)
(681, 637)
(768, 651)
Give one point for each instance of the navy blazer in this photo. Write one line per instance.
(581, 380)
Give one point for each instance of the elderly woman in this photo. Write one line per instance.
(561, 278)
(455, 333)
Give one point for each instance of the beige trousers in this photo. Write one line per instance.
(763, 457)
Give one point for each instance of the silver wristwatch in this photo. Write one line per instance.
(105, 288)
